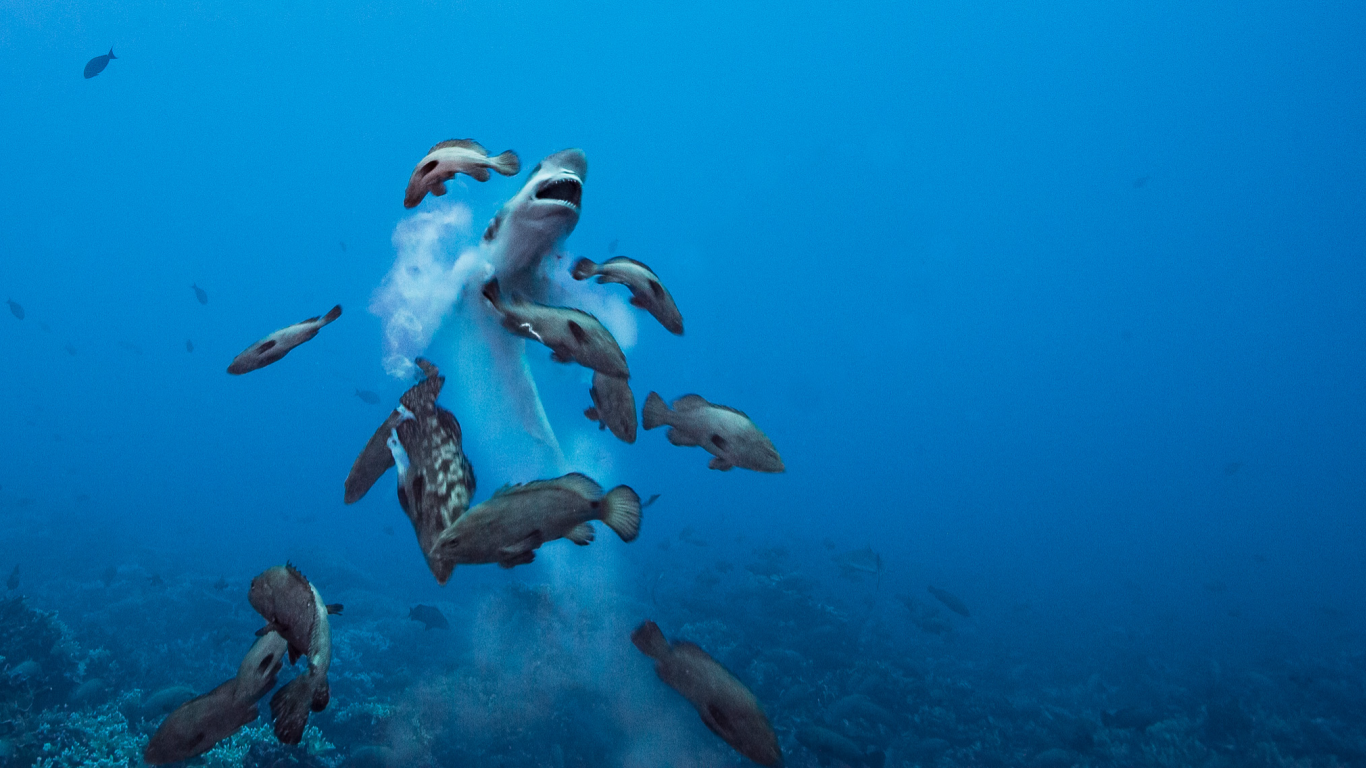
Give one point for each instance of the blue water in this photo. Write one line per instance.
(1060, 308)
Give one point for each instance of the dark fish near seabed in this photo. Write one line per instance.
(279, 344)
(859, 560)
(15, 309)
(292, 607)
(450, 157)
(368, 396)
(13, 581)
(97, 64)
(189, 345)
(614, 406)
(429, 616)
(509, 527)
(571, 334)
(726, 706)
(200, 723)
(647, 292)
(829, 745)
(950, 601)
(726, 433)
(200, 294)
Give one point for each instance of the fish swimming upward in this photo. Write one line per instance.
(450, 157)
(279, 344)
(572, 334)
(509, 527)
(647, 292)
(293, 608)
(97, 64)
(726, 706)
(614, 406)
(15, 309)
(200, 723)
(728, 434)
(200, 294)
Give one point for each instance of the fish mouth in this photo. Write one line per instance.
(566, 191)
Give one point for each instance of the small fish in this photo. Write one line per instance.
(25, 670)
(726, 706)
(87, 690)
(292, 607)
(864, 560)
(454, 156)
(1141, 181)
(724, 432)
(647, 292)
(368, 396)
(614, 406)
(571, 334)
(200, 723)
(509, 527)
(828, 746)
(430, 617)
(97, 64)
(950, 601)
(15, 309)
(200, 294)
(70, 349)
(189, 345)
(389, 530)
(1232, 468)
(221, 584)
(279, 344)
(155, 580)
(12, 582)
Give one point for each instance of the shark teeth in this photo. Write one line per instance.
(564, 191)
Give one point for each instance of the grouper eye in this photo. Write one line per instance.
(265, 346)
(429, 167)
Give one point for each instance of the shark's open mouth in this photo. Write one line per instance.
(565, 190)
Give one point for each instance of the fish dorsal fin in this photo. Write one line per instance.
(691, 403)
(295, 573)
(627, 260)
(460, 144)
(581, 484)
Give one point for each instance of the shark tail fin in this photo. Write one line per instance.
(621, 512)
(584, 269)
(506, 163)
(650, 640)
(655, 413)
(332, 314)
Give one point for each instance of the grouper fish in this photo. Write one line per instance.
(572, 334)
(647, 292)
(279, 344)
(726, 706)
(726, 433)
(509, 527)
(450, 157)
(614, 406)
(293, 608)
(97, 64)
(200, 723)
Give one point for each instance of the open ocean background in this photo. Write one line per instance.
(1059, 307)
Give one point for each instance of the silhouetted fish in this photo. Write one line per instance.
(1232, 467)
(13, 581)
(368, 396)
(200, 294)
(950, 601)
(865, 560)
(1140, 181)
(70, 349)
(15, 309)
(97, 64)
(221, 584)
(430, 617)
(189, 345)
